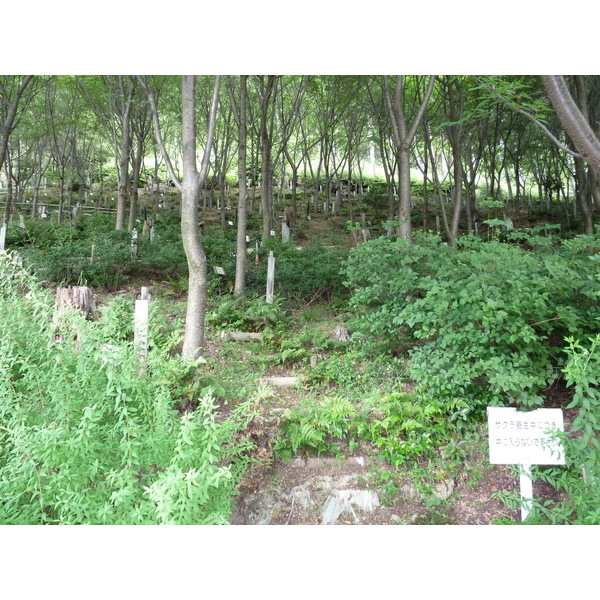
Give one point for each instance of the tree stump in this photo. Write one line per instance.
(341, 334)
(79, 297)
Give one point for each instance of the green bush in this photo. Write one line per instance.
(86, 438)
(309, 274)
(484, 324)
(579, 478)
(400, 426)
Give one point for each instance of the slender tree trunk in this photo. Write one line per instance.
(403, 138)
(6, 126)
(573, 120)
(240, 260)
(190, 188)
(123, 193)
(135, 176)
(125, 151)
(266, 137)
(190, 193)
(455, 100)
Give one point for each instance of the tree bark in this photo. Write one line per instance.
(190, 187)
(123, 195)
(190, 231)
(240, 116)
(7, 123)
(572, 120)
(266, 137)
(403, 138)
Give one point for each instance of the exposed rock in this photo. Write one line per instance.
(280, 381)
(344, 501)
(444, 489)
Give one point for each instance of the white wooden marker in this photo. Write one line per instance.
(142, 307)
(2, 237)
(134, 237)
(525, 439)
(270, 277)
(219, 270)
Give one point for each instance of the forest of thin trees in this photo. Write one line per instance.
(457, 144)
(471, 138)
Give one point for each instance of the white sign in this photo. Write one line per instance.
(219, 270)
(525, 438)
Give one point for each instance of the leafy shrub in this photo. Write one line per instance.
(401, 426)
(484, 324)
(580, 478)
(86, 439)
(308, 275)
(245, 313)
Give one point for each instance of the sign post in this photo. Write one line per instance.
(142, 307)
(525, 439)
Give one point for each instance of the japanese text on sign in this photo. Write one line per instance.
(525, 437)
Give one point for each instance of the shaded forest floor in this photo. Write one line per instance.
(431, 492)
(297, 491)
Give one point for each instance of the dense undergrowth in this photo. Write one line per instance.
(86, 439)
(486, 324)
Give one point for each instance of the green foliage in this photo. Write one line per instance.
(315, 426)
(580, 479)
(245, 313)
(417, 188)
(86, 438)
(404, 426)
(484, 325)
(298, 347)
(309, 274)
(400, 426)
(347, 368)
(491, 204)
(85, 252)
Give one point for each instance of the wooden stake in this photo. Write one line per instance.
(526, 487)
(270, 277)
(142, 307)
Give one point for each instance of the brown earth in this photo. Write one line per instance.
(294, 492)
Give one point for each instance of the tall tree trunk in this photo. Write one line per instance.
(455, 101)
(125, 151)
(190, 188)
(266, 137)
(403, 138)
(573, 120)
(135, 176)
(6, 126)
(190, 193)
(240, 116)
